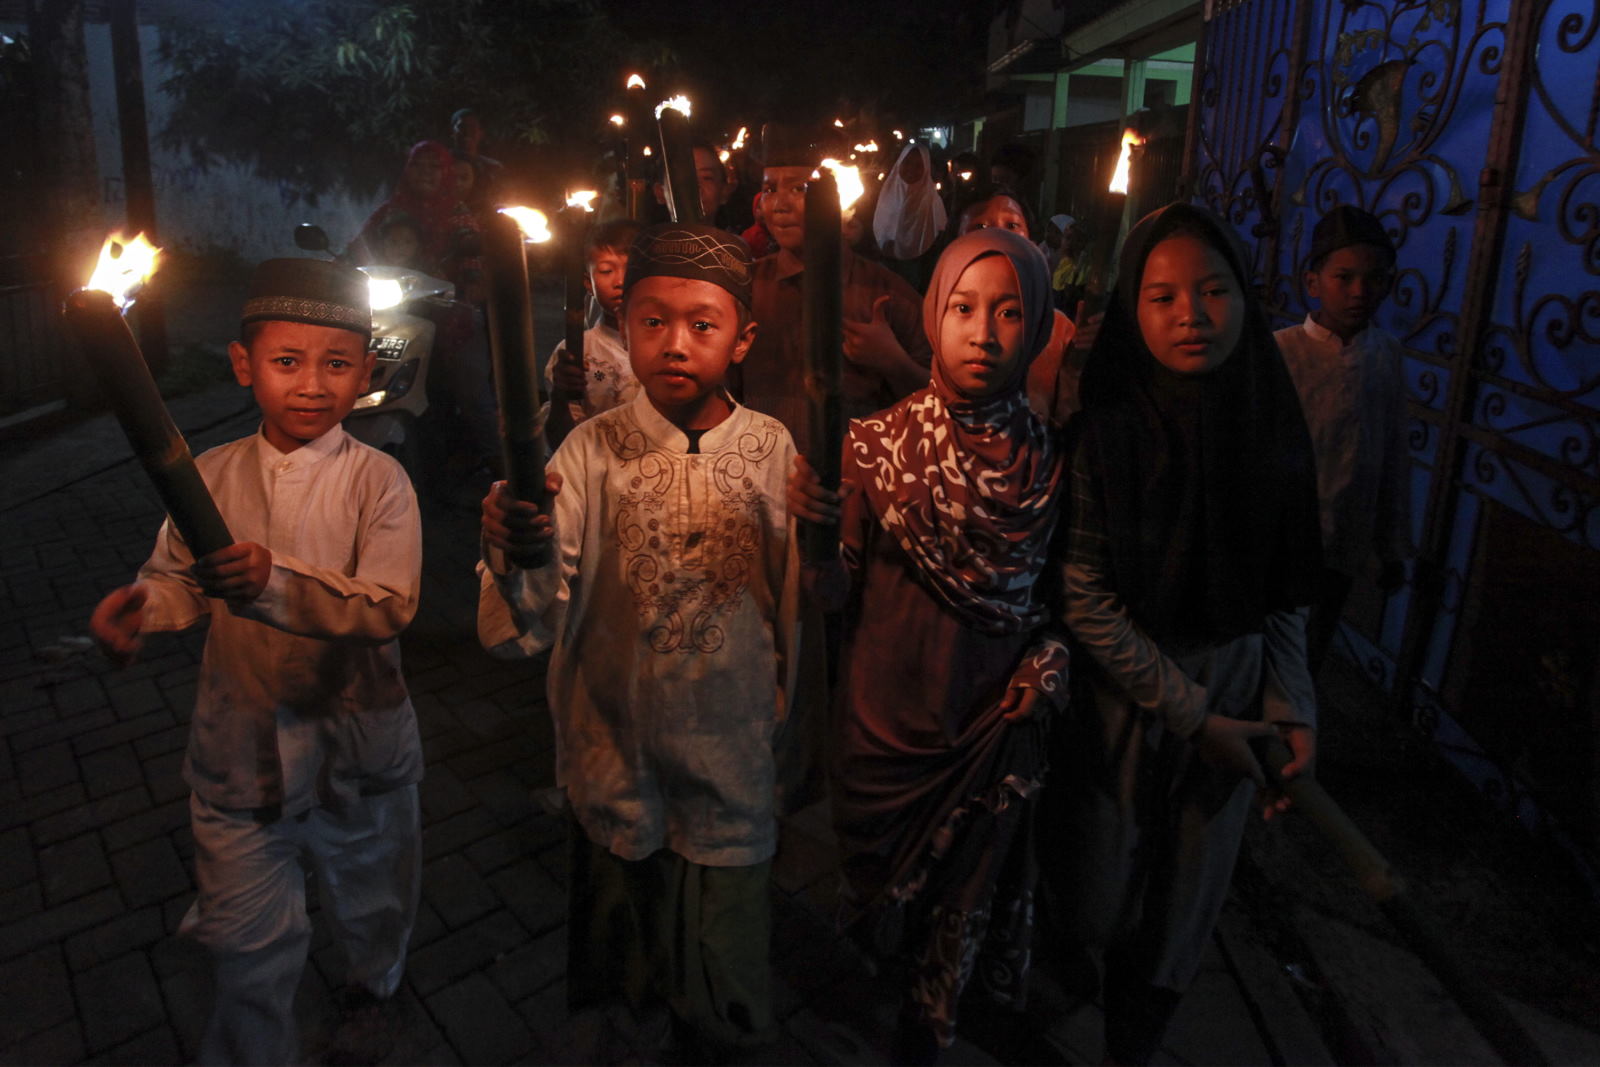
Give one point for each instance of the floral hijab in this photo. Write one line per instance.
(967, 486)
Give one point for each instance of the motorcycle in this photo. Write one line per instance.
(386, 415)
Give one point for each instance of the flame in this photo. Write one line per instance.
(849, 179)
(647, 150)
(635, 82)
(724, 155)
(1119, 180)
(124, 266)
(966, 175)
(618, 120)
(535, 225)
(738, 142)
(870, 146)
(679, 103)
(584, 199)
(898, 136)
(839, 123)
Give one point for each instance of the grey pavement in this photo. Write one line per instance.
(95, 849)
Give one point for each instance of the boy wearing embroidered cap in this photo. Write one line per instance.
(669, 611)
(1347, 372)
(304, 744)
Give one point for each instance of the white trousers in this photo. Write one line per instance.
(251, 911)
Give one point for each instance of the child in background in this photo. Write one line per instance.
(909, 217)
(949, 668)
(1190, 557)
(605, 379)
(669, 610)
(304, 745)
(1347, 372)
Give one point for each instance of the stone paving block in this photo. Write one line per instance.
(35, 993)
(178, 676)
(78, 696)
(118, 1001)
(111, 770)
(60, 729)
(473, 763)
(456, 891)
(531, 895)
(469, 949)
(174, 955)
(18, 721)
(153, 1046)
(91, 816)
(26, 810)
(17, 863)
(21, 901)
(150, 872)
(21, 694)
(430, 680)
(126, 933)
(117, 733)
(428, 928)
(447, 743)
(173, 739)
(529, 968)
(173, 911)
(501, 849)
(140, 696)
(46, 768)
(456, 832)
(479, 1023)
(160, 820)
(441, 793)
(59, 1044)
(163, 775)
(71, 868)
(503, 795)
(546, 1015)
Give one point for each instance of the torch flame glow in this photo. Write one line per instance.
(966, 175)
(584, 199)
(1119, 180)
(849, 179)
(839, 123)
(635, 82)
(898, 136)
(870, 146)
(617, 120)
(647, 150)
(678, 103)
(535, 225)
(738, 142)
(724, 155)
(124, 266)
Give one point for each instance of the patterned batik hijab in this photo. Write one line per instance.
(968, 487)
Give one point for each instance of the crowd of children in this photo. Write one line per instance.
(1071, 589)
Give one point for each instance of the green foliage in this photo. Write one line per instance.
(326, 94)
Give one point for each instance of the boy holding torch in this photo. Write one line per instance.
(304, 744)
(669, 610)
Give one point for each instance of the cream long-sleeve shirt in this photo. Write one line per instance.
(670, 615)
(1354, 402)
(300, 700)
(609, 381)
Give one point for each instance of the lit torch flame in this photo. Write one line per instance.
(534, 224)
(584, 199)
(849, 179)
(839, 123)
(724, 155)
(617, 120)
(678, 103)
(635, 82)
(647, 150)
(738, 142)
(1119, 180)
(124, 266)
(870, 146)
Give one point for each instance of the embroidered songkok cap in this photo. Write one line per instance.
(1342, 227)
(315, 291)
(691, 250)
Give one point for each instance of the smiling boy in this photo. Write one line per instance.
(669, 611)
(303, 747)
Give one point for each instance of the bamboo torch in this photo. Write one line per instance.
(828, 194)
(677, 160)
(1109, 237)
(94, 316)
(636, 117)
(516, 368)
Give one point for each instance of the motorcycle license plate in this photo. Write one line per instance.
(389, 349)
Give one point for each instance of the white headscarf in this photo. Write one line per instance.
(909, 217)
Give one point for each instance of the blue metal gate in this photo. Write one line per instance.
(1469, 128)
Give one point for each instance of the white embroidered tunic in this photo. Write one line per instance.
(300, 699)
(671, 623)
(608, 378)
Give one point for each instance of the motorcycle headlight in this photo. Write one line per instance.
(384, 293)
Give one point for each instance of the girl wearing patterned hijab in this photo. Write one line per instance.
(949, 668)
(1192, 549)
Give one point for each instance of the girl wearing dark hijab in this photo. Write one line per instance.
(948, 666)
(1192, 550)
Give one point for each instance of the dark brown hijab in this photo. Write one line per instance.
(1208, 481)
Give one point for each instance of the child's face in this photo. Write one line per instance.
(607, 267)
(998, 212)
(1350, 285)
(981, 330)
(682, 336)
(712, 177)
(783, 205)
(305, 378)
(423, 174)
(1190, 306)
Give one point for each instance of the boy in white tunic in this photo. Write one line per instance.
(669, 611)
(304, 744)
(1347, 372)
(603, 379)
